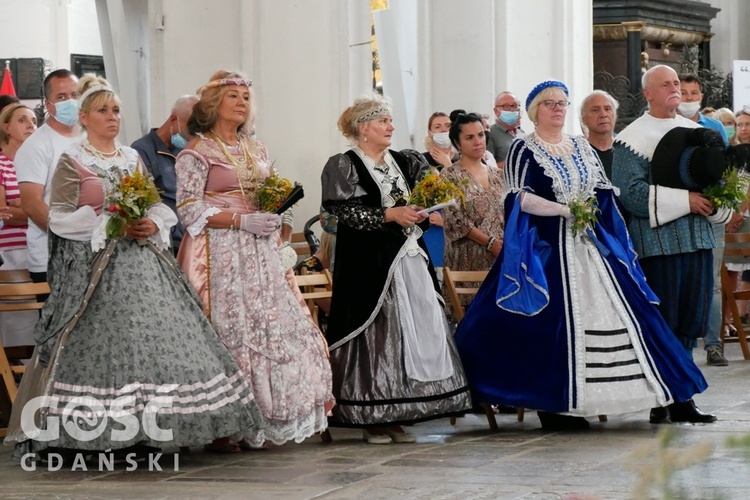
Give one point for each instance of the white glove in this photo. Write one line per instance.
(260, 223)
(536, 205)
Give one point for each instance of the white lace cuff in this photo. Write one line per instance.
(99, 238)
(666, 204)
(164, 218)
(158, 238)
(197, 227)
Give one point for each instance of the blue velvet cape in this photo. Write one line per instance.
(515, 336)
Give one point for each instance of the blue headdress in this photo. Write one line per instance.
(545, 85)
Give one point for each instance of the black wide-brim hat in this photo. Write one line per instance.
(689, 158)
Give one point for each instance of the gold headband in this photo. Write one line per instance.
(226, 81)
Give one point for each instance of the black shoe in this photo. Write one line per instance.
(686, 411)
(505, 409)
(715, 357)
(557, 422)
(659, 415)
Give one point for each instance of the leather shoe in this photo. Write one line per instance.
(659, 415)
(557, 422)
(400, 436)
(376, 438)
(686, 411)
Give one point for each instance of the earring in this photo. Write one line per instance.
(365, 138)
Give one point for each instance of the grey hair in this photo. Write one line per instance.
(612, 100)
(184, 102)
(647, 74)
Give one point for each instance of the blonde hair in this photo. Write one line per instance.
(722, 114)
(6, 116)
(541, 96)
(428, 139)
(94, 91)
(206, 110)
(355, 114)
(326, 245)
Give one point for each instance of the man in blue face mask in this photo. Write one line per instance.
(36, 161)
(159, 149)
(506, 127)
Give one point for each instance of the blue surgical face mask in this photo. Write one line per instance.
(66, 112)
(509, 117)
(177, 140)
(730, 131)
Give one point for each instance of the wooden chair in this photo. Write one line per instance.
(470, 282)
(454, 294)
(17, 293)
(300, 244)
(314, 287)
(730, 296)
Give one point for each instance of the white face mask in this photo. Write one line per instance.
(441, 139)
(689, 109)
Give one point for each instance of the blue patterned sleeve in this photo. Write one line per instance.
(630, 173)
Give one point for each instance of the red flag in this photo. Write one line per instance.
(7, 87)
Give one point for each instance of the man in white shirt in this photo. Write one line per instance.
(36, 161)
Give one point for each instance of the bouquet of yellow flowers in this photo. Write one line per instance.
(277, 194)
(730, 191)
(434, 192)
(584, 211)
(130, 197)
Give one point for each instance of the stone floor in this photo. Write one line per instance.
(449, 462)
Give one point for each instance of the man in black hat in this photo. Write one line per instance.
(670, 227)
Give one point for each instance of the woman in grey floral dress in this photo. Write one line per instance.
(474, 229)
(122, 332)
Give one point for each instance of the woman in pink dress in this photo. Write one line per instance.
(231, 256)
(122, 331)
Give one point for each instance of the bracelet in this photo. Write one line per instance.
(490, 242)
(231, 226)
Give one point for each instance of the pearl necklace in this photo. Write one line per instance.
(101, 154)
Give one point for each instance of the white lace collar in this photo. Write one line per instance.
(386, 175)
(574, 172)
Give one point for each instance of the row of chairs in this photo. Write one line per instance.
(17, 293)
(730, 296)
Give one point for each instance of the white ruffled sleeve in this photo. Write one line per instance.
(79, 225)
(66, 218)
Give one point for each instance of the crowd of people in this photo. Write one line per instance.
(601, 254)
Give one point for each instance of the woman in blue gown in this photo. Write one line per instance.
(565, 323)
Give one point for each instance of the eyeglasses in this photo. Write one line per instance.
(508, 107)
(556, 104)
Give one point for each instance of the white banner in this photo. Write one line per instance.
(741, 90)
